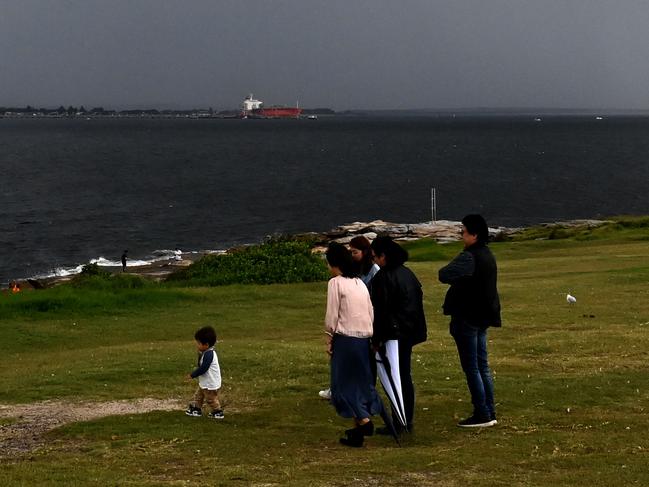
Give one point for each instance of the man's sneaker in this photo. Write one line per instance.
(193, 411)
(493, 418)
(217, 414)
(325, 394)
(476, 422)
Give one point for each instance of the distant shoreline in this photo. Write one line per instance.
(81, 113)
(71, 112)
(442, 231)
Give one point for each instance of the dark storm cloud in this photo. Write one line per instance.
(343, 54)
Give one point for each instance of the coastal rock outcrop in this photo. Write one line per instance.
(440, 231)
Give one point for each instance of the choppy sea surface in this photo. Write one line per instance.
(76, 190)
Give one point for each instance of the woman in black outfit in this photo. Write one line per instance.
(398, 313)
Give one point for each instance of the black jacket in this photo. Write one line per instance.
(398, 306)
(473, 295)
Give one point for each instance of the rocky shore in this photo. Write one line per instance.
(441, 231)
(156, 271)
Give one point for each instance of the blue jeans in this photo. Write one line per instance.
(471, 344)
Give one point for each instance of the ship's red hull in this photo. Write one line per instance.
(277, 112)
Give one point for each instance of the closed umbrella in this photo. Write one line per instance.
(387, 368)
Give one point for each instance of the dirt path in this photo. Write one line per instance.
(28, 423)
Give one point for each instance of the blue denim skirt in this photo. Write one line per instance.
(352, 382)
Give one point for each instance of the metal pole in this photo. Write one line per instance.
(433, 198)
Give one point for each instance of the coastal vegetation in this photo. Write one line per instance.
(277, 261)
(621, 227)
(571, 382)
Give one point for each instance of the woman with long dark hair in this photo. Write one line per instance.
(348, 325)
(398, 314)
(361, 250)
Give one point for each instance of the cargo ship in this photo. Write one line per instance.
(252, 108)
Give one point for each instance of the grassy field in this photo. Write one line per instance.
(572, 383)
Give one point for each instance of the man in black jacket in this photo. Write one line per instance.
(472, 302)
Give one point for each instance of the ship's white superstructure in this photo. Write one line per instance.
(250, 104)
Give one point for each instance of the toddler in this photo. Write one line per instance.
(208, 374)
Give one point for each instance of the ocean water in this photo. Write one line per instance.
(76, 190)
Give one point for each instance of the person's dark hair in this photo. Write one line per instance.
(361, 243)
(338, 256)
(395, 255)
(206, 335)
(476, 225)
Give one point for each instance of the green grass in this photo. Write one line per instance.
(427, 250)
(571, 381)
(617, 228)
(70, 301)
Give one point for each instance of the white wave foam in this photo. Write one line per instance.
(103, 262)
(61, 272)
(163, 255)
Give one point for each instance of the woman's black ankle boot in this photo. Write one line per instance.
(354, 438)
(366, 429)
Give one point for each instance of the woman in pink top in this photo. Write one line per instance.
(348, 325)
(363, 260)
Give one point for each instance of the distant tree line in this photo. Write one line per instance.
(72, 111)
(318, 111)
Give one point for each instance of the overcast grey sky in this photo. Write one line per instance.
(336, 53)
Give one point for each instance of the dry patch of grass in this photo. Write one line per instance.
(24, 425)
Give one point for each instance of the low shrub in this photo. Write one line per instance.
(632, 221)
(559, 233)
(94, 270)
(275, 261)
(106, 281)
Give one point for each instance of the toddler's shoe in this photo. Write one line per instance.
(193, 411)
(218, 414)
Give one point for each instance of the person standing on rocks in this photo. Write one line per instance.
(472, 302)
(124, 257)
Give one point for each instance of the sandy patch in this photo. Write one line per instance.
(28, 423)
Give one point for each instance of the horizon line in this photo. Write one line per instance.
(486, 108)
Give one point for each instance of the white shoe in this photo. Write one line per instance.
(325, 394)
